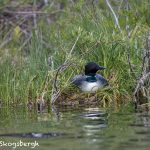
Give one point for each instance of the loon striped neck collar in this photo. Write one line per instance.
(91, 78)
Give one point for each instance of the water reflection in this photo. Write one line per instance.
(80, 129)
(94, 121)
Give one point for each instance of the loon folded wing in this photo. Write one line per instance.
(78, 79)
(101, 79)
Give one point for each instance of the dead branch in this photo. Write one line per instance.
(55, 90)
(46, 2)
(140, 90)
(140, 94)
(130, 65)
(127, 18)
(5, 42)
(115, 16)
(143, 65)
(31, 12)
(148, 53)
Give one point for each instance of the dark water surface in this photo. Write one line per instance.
(80, 129)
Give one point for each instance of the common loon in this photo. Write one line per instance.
(90, 81)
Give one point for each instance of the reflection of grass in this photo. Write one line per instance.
(26, 63)
(119, 130)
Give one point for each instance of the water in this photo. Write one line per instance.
(80, 129)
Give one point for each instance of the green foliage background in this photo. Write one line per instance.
(35, 51)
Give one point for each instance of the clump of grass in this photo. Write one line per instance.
(26, 62)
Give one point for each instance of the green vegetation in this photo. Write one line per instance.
(33, 48)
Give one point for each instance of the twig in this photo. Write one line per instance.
(140, 91)
(130, 65)
(35, 19)
(94, 9)
(25, 42)
(119, 8)
(46, 2)
(55, 90)
(127, 18)
(66, 63)
(115, 16)
(143, 65)
(5, 42)
(63, 67)
(146, 58)
(32, 12)
(73, 46)
(148, 53)
(139, 86)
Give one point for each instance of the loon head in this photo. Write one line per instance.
(91, 68)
